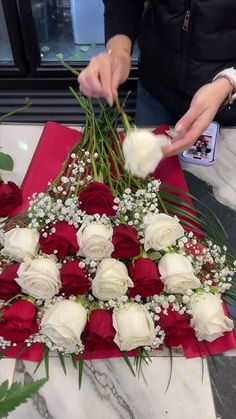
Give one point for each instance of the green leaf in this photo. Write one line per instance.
(17, 394)
(6, 162)
(46, 361)
(126, 358)
(62, 361)
(59, 56)
(2, 353)
(81, 366)
(3, 389)
(171, 369)
(155, 255)
(84, 48)
(45, 48)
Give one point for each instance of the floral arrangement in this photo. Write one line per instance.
(97, 262)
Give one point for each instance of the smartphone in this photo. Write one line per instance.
(204, 149)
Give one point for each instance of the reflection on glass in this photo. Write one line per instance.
(72, 28)
(5, 47)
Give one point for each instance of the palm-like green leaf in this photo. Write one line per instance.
(16, 394)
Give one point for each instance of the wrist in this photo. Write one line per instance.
(225, 87)
(226, 79)
(119, 51)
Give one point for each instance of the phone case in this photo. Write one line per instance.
(203, 150)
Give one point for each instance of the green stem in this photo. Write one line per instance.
(21, 109)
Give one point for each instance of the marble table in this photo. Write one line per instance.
(109, 391)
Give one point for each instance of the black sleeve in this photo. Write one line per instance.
(123, 17)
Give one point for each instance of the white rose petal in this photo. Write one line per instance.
(143, 151)
(63, 323)
(177, 273)
(94, 241)
(161, 231)
(208, 318)
(111, 280)
(20, 243)
(134, 327)
(39, 278)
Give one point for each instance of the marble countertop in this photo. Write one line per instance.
(109, 391)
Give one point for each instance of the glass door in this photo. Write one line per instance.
(72, 30)
(12, 60)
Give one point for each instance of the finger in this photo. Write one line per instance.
(105, 76)
(183, 143)
(184, 124)
(90, 83)
(115, 82)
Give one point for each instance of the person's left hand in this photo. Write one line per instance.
(203, 108)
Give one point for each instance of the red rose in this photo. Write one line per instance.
(62, 242)
(125, 241)
(146, 278)
(8, 285)
(99, 331)
(18, 321)
(10, 197)
(97, 198)
(75, 281)
(176, 326)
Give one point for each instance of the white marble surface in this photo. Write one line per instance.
(222, 174)
(109, 390)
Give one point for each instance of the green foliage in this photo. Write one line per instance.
(6, 162)
(16, 394)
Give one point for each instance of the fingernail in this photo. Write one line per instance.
(179, 128)
(110, 101)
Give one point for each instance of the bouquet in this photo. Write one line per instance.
(109, 259)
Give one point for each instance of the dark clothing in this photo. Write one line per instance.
(150, 112)
(183, 45)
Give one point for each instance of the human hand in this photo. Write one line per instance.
(203, 108)
(104, 74)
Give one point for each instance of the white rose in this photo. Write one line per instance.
(177, 273)
(160, 231)
(134, 327)
(111, 280)
(20, 243)
(63, 323)
(94, 241)
(39, 278)
(208, 319)
(143, 151)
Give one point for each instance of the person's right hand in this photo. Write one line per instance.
(103, 75)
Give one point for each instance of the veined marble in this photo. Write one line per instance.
(109, 391)
(222, 174)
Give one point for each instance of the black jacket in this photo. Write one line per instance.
(183, 45)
